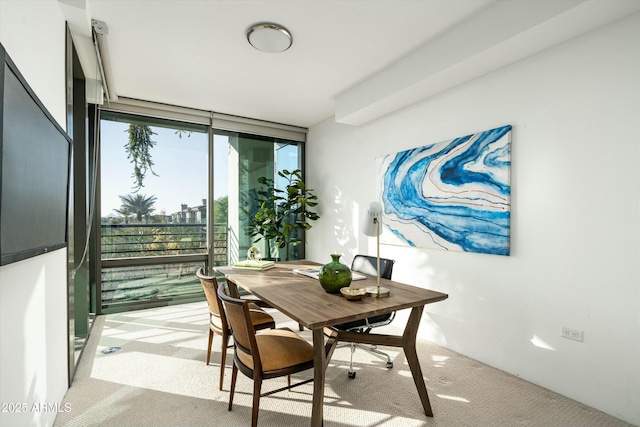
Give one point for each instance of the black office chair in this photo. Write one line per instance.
(367, 265)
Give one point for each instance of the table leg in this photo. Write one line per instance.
(319, 358)
(409, 346)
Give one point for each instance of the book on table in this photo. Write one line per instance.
(253, 264)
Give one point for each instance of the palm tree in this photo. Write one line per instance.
(137, 204)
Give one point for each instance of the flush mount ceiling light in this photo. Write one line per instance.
(268, 37)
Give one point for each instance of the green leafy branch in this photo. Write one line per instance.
(139, 151)
(284, 213)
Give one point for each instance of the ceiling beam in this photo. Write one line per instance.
(498, 35)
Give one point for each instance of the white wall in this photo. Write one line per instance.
(33, 292)
(575, 228)
(33, 337)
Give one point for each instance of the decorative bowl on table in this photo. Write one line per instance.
(353, 294)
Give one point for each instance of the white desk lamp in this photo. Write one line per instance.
(371, 227)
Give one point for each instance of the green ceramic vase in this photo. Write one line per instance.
(335, 275)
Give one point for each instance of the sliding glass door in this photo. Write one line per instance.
(153, 204)
(175, 196)
(240, 161)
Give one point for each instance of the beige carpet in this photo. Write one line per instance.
(159, 378)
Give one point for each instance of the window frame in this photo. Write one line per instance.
(214, 122)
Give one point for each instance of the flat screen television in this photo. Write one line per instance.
(34, 171)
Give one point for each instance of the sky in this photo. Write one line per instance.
(180, 162)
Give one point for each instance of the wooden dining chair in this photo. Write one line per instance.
(218, 322)
(269, 354)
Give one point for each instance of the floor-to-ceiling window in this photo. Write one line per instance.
(187, 204)
(153, 208)
(240, 161)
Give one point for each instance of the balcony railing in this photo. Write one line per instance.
(130, 240)
(142, 262)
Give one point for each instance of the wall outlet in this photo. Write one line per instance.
(572, 334)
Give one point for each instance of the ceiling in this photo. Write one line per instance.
(351, 60)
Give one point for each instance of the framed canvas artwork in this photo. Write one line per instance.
(452, 195)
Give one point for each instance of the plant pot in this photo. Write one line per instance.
(334, 275)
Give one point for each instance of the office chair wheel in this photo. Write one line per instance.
(352, 375)
(389, 365)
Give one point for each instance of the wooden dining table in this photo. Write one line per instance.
(304, 300)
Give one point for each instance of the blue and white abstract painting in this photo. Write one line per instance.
(453, 195)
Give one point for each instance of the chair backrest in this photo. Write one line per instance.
(210, 287)
(367, 264)
(244, 334)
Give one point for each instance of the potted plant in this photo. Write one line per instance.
(283, 213)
